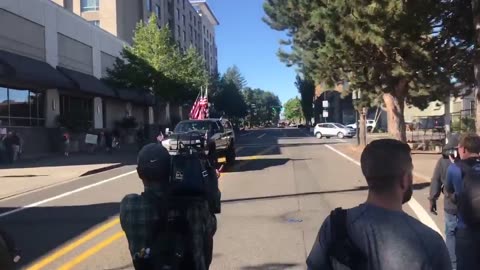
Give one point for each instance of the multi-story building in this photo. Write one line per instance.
(192, 22)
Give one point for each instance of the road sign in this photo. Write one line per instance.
(325, 113)
(325, 104)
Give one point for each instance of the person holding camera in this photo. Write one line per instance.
(439, 180)
(165, 228)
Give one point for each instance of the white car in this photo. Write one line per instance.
(370, 124)
(328, 130)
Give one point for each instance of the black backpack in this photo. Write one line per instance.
(192, 174)
(343, 253)
(468, 200)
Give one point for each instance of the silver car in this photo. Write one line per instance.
(332, 130)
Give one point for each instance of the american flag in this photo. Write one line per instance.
(200, 107)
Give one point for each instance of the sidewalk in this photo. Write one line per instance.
(424, 163)
(32, 174)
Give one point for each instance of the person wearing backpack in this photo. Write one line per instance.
(377, 234)
(166, 230)
(437, 186)
(463, 187)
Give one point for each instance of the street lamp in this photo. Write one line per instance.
(356, 96)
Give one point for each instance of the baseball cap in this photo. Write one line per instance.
(154, 158)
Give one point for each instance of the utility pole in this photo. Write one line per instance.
(363, 127)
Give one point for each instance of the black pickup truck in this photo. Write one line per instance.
(220, 137)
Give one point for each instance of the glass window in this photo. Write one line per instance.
(178, 13)
(149, 5)
(184, 37)
(184, 21)
(178, 31)
(21, 107)
(157, 11)
(89, 5)
(3, 101)
(194, 21)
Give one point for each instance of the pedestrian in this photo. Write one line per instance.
(16, 146)
(66, 143)
(153, 219)
(8, 143)
(463, 186)
(108, 141)
(140, 138)
(377, 234)
(439, 180)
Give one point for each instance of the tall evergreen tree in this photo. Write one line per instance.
(306, 88)
(378, 46)
(234, 75)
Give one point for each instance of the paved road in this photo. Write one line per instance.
(274, 200)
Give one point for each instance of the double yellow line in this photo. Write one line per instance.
(95, 233)
(63, 251)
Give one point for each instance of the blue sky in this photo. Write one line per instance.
(243, 39)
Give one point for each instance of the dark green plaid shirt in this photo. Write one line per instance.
(138, 217)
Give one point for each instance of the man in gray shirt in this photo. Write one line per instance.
(385, 236)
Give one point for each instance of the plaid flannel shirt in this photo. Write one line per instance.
(138, 217)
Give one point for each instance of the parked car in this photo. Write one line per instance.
(328, 130)
(370, 125)
(219, 132)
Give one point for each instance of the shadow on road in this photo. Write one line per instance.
(360, 188)
(270, 266)
(39, 230)
(258, 164)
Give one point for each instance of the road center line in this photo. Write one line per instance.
(414, 205)
(62, 251)
(95, 249)
(16, 210)
(261, 136)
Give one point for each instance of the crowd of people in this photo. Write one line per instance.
(165, 229)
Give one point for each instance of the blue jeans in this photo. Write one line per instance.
(450, 226)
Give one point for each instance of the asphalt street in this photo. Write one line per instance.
(274, 200)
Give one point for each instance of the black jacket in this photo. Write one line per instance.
(439, 179)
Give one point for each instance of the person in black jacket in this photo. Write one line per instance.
(439, 180)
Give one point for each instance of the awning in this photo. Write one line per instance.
(24, 72)
(138, 96)
(87, 83)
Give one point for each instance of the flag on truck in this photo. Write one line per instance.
(200, 106)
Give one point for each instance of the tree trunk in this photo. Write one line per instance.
(476, 59)
(395, 104)
(363, 127)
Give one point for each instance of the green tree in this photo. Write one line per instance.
(264, 106)
(306, 88)
(293, 109)
(154, 62)
(379, 47)
(233, 74)
(229, 100)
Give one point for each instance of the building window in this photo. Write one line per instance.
(21, 107)
(77, 111)
(178, 31)
(204, 30)
(96, 22)
(178, 13)
(149, 5)
(183, 4)
(184, 37)
(89, 5)
(184, 21)
(157, 11)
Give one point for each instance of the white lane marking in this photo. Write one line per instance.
(246, 134)
(261, 136)
(421, 213)
(16, 210)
